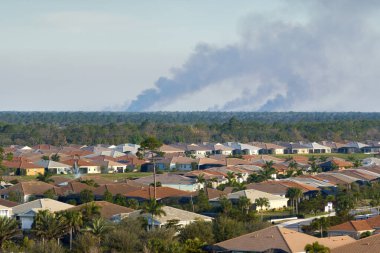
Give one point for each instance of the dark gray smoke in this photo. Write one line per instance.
(330, 62)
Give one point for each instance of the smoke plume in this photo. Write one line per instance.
(329, 62)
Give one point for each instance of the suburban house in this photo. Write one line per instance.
(6, 207)
(269, 148)
(107, 210)
(220, 149)
(276, 239)
(352, 147)
(162, 193)
(372, 148)
(23, 191)
(295, 148)
(198, 150)
(22, 166)
(128, 148)
(27, 211)
(114, 189)
(316, 148)
(354, 228)
(275, 201)
(171, 149)
(366, 245)
(173, 181)
(243, 149)
(180, 216)
(110, 166)
(334, 163)
(55, 167)
(183, 163)
(81, 166)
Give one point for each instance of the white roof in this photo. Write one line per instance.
(40, 204)
(254, 194)
(179, 214)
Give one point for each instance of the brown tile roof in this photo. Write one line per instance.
(73, 187)
(28, 188)
(161, 192)
(369, 244)
(279, 238)
(237, 161)
(80, 162)
(118, 188)
(214, 193)
(7, 203)
(20, 164)
(107, 209)
(357, 226)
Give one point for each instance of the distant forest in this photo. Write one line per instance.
(60, 128)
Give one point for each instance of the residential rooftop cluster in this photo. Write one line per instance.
(192, 182)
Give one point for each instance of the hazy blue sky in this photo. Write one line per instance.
(97, 55)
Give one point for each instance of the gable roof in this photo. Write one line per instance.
(167, 178)
(7, 203)
(40, 204)
(118, 188)
(279, 238)
(354, 225)
(179, 214)
(28, 188)
(365, 245)
(161, 192)
(107, 209)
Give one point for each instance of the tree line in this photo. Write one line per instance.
(234, 129)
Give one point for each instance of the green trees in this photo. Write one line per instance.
(202, 201)
(55, 158)
(86, 196)
(8, 229)
(316, 248)
(244, 204)
(154, 209)
(46, 177)
(74, 221)
(199, 229)
(262, 202)
(321, 224)
(49, 226)
(294, 194)
(98, 228)
(268, 170)
(107, 196)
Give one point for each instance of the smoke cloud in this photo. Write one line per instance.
(329, 62)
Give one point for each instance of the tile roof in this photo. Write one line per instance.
(179, 214)
(28, 188)
(281, 239)
(117, 188)
(356, 225)
(107, 209)
(7, 203)
(161, 192)
(41, 204)
(366, 245)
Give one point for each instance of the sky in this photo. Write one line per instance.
(213, 55)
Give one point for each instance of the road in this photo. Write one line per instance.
(297, 224)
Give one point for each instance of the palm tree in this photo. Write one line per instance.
(294, 194)
(261, 202)
(293, 165)
(74, 222)
(316, 248)
(321, 224)
(48, 225)
(46, 177)
(152, 145)
(200, 179)
(268, 170)
(244, 203)
(231, 178)
(98, 227)
(154, 208)
(357, 163)
(55, 158)
(90, 211)
(8, 229)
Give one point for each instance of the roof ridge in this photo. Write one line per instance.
(283, 237)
